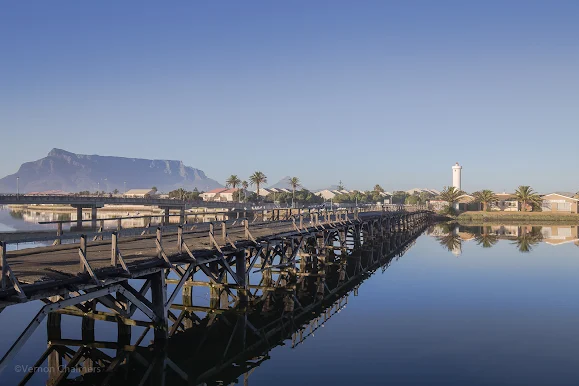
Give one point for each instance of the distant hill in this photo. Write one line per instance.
(284, 184)
(63, 170)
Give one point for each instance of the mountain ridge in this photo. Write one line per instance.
(67, 171)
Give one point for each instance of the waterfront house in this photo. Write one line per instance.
(561, 202)
(506, 202)
(219, 195)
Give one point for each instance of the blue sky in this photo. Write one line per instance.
(389, 92)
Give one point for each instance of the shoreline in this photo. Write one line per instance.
(518, 217)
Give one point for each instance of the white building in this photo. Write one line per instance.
(456, 174)
(140, 193)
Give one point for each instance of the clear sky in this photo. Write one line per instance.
(388, 92)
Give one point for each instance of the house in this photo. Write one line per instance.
(219, 195)
(264, 192)
(140, 193)
(437, 205)
(562, 202)
(467, 202)
(328, 194)
(506, 202)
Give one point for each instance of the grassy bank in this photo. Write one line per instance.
(526, 217)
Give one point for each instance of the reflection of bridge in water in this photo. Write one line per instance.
(260, 293)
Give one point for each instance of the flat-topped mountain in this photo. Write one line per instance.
(63, 170)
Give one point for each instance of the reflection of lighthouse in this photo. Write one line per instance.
(456, 170)
(457, 247)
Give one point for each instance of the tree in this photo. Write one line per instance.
(485, 197)
(232, 181)
(378, 188)
(154, 189)
(257, 179)
(244, 185)
(525, 195)
(412, 200)
(180, 194)
(399, 197)
(340, 185)
(450, 194)
(294, 182)
(116, 191)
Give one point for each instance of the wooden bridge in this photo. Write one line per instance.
(263, 279)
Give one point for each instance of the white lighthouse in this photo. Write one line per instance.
(456, 171)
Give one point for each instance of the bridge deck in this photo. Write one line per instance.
(62, 261)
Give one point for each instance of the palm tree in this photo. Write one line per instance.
(525, 195)
(485, 197)
(154, 189)
(257, 179)
(181, 193)
(232, 181)
(244, 185)
(378, 188)
(294, 182)
(451, 195)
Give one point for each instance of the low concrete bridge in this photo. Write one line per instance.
(285, 269)
(95, 202)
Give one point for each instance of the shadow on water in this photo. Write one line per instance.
(219, 344)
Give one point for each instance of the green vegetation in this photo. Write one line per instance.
(418, 198)
(233, 181)
(366, 197)
(300, 197)
(182, 194)
(257, 179)
(294, 182)
(485, 197)
(450, 194)
(525, 217)
(526, 196)
(378, 188)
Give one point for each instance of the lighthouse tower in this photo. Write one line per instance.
(456, 171)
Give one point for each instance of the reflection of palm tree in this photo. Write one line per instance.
(451, 241)
(486, 239)
(527, 239)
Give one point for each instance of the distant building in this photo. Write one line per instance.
(219, 195)
(327, 194)
(456, 176)
(49, 193)
(562, 202)
(140, 193)
(414, 191)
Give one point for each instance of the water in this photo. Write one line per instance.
(463, 306)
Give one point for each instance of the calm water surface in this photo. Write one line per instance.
(463, 306)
